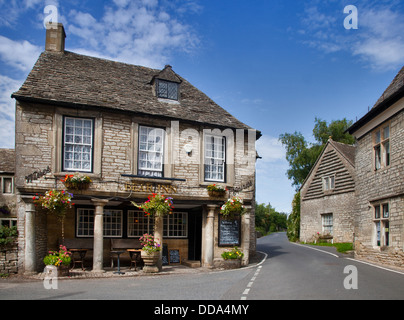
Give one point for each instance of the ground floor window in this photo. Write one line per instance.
(382, 224)
(8, 222)
(130, 223)
(327, 223)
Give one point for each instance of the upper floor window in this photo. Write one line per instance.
(381, 147)
(7, 185)
(151, 151)
(78, 137)
(167, 90)
(215, 158)
(328, 183)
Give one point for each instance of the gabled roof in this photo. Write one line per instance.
(7, 161)
(393, 93)
(74, 80)
(336, 158)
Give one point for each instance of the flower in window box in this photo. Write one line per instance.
(232, 208)
(215, 190)
(76, 181)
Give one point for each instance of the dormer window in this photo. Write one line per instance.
(167, 89)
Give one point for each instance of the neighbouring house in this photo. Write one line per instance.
(328, 202)
(8, 214)
(134, 131)
(379, 168)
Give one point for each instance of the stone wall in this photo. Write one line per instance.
(374, 187)
(9, 259)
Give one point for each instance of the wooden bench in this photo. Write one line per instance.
(124, 245)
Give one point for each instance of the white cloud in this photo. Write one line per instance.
(270, 149)
(137, 32)
(378, 42)
(7, 111)
(18, 54)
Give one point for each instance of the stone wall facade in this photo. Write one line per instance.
(9, 259)
(378, 188)
(39, 144)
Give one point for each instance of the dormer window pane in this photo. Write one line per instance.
(167, 90)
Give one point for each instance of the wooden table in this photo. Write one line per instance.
(81, 253)
(134, 256)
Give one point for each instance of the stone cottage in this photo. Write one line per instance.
(8, 216)
(328, 200)
(379, 168)
(134, 131)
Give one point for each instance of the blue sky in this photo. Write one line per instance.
(275, 65)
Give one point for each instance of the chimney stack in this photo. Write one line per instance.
(55, 37)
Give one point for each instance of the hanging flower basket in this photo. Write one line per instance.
(157, 205)
(216, 191)
(76, 181)
(233, 208)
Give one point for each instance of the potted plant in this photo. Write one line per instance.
(76, 181)
(55, 202)
(158, 206)
(60, 259)
(233, 208)
(216, 191)
(232, 258)
(150, 253)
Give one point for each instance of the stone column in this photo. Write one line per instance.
(209, 237)
(158, 237)
(98, 249)
(245, 236)
(30, 238)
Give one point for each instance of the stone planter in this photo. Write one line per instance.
(150, 261)
(63, 271)
(231, 264)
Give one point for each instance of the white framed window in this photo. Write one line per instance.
(151, 151)
(176, 225)
(139, 223)
(167, 89)
(112, 223)
(327, 223)
(215, 158)
(7, 185)
(328, 183)
(381, 147)
(382, 224)
(78, 138)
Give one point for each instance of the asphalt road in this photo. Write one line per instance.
(292, 272)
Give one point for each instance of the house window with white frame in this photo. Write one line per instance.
(329, 183)
(176, 225)
(215, 158)
(78, 138)
(327, 223)
(139, 223)
(112, 223)
(151, 151)
(382, 224)
(381, 147)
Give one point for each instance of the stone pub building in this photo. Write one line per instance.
(133, 130)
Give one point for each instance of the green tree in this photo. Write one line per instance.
(293, 223)
(302, 155)
(267, 219)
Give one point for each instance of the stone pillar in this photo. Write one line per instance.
(98, 249)
(245, 236)
(30, 239)
(209, 237)
(158, 237)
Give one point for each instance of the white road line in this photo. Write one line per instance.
(304, 246)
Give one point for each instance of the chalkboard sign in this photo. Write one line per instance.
(174, 256)
(229, 232)
(165, 255)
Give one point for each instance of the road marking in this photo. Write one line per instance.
(304, 246)
(250, 284)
